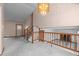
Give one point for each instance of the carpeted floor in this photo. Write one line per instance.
(21, 47)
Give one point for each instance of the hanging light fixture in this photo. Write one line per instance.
(43, 8)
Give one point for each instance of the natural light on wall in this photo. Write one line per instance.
(0, 23)
(43, 8)
(0, 29)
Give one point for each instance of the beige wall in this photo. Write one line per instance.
(1, 29)
(59, 15)
(28, 21)
(10, 28)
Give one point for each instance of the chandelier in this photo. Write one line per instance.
(43, 8)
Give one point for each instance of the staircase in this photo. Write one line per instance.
(28, 32)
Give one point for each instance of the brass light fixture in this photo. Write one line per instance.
(43, 8)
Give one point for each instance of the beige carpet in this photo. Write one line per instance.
(20, 47)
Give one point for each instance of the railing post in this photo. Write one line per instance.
(70, 40)
(32, 37)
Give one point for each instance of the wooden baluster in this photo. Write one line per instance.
(27, 34)
(50, 37)
(32, 37)
(66, 39)
(57, 38)
(51, 40)
(54, 38)
(63, 40)
(24, 33)
(75, 40)
(60, 39)
(78, 43)
(70, 40)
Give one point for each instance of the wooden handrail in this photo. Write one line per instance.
(28, 32)
(67, 42)
(61, 33)
(71, 44)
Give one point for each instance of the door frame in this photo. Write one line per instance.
(16, 29)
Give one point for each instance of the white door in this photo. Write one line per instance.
(19, 30)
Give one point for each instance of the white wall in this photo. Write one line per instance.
(59, 15)
(28, 21)
(10, 28)
(1, 29)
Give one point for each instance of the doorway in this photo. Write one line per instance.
(19, 29)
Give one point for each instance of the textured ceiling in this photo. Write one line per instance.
(18, 11)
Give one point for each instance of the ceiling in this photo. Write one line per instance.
(21, 11)
(18, 11)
